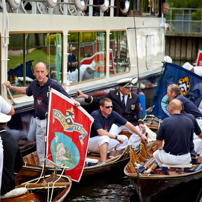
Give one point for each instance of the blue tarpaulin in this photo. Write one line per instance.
(18, 71)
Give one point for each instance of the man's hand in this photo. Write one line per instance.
(144, 138)
(7, 84)
(76, 104)
(142, 128)
(168, 28)
(81, 95)
(120, 139)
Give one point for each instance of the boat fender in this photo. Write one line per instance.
(104, 5)
(124, 6)
(51, 3)
(80, 4)
(14, 3)
(142, 102)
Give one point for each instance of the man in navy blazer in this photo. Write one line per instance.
(128, 107)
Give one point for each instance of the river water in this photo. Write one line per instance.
(107, 187)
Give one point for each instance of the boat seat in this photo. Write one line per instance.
(91, 162)
(125, 132)
(186, 167)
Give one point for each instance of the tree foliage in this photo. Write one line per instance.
(184, 4)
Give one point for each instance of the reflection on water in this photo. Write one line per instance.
(111, 187)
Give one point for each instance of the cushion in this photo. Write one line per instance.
(15, 192)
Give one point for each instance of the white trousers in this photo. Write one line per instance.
(198, 146)
(162, 157)
(199, 121)
(95, 143)
(1, 162)
(134, 139)
(40, 139)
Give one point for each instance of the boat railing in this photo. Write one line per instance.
(66, 7)
(110, 8)
(185, 20)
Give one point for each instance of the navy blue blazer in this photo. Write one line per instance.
(132, 112)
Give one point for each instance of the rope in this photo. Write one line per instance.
(55, 182)
(48, 193)
(38, 178)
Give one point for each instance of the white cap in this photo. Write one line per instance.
(168, 59)
(187, 66)
(4, 118)
(125, 82)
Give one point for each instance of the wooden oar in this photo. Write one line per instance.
(146, 165)
(44, 184)
(152, 168)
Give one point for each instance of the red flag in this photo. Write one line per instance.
(67, 134)
(199, 58)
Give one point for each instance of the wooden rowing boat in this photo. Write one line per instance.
(152, 122)
(31, 168)
(163, 184)
(112, 163)
(45, 188)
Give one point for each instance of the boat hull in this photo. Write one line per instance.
(167, 188)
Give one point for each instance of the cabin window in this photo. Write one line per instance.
(119, 56)
(86, 56)
(26, 50)
(146, 7)
(150, 7)
(156, 7)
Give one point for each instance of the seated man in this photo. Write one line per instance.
(177, 133)
(126, 104)
(100, 138)
(12, 158)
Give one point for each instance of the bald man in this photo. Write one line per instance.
(39, 89)
(177, 133)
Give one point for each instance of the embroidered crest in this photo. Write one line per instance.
(132, 107)
(184, 85)
(70, 117)
(68, 122)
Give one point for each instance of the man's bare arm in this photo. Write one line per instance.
(15, 88)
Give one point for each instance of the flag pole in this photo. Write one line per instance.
(46, 136)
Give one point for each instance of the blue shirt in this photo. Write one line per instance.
(40, 95)
(197, 129)
(100, 122)
(177, 132)
(189, 106)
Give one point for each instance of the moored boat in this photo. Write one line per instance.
(169, 183)
(45, 188)
(31, 168)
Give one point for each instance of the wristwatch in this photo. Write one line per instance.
(116, 137)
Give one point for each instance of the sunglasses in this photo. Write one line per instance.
(108, 107)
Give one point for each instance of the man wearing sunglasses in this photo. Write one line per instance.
(128, 107)
(101, 139)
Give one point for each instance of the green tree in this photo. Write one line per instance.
(184, 4)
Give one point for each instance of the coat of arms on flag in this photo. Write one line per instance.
(68, 132)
